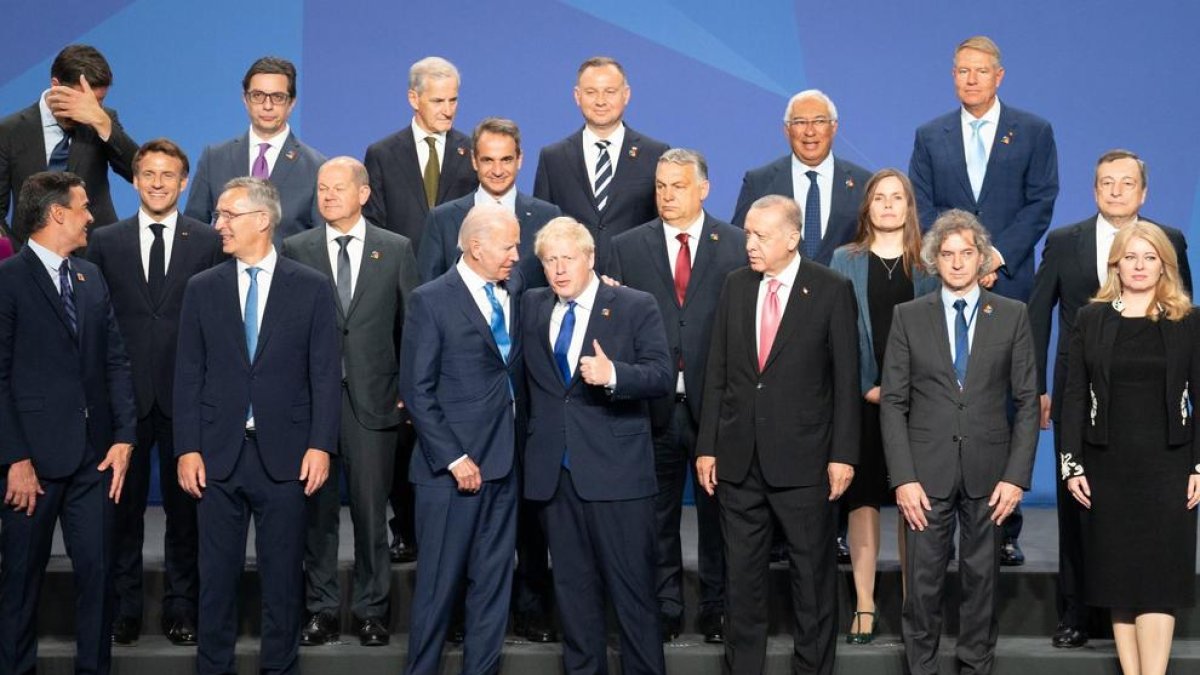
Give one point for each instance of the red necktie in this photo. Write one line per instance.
(769, 324)
(683, 267)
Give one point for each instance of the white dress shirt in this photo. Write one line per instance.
(800, 183)
(787, 279)
(508, 200)
(591, 154)
(50, 259)
(673, 248)
(1105, 233)
(583, 314)
(354, 249)
(276, 142)
(987, 132)
(146, 239)
(419, 136)
(971, 312)
(51, 132)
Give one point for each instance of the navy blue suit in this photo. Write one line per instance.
(849, 181)
(599, 514)
(439, 248)
(65, 398)
(463, 398)
(1016, 200)
(294, 384)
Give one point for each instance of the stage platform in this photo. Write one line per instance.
(1027, 617)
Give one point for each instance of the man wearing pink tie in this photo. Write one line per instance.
(779, 433)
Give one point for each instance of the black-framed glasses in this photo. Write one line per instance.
(227, 216)
(260, 97)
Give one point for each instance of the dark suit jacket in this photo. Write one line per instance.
(23, 153)
(562, 179)
(932, 430)
(370, 331)
(606, 433)
(151, 329)
(461, 394)
(293, 381)
(60, 394)
(1017, 198)
(803, 410)
(398, 187)
(439, 250)
(849, 181)
(1067, 277)
(640, 261)
(294, 175)
(1086, 411)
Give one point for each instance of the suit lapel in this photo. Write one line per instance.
(958, 158)
(935, 313)
(984, 329)
(1006, 128)
(132, 245)
(273, 312)
(597, 325)
(231, 297)
(542, 321)
(1085, 245)
(840, 202)
(749, 317)
(410, 162)
(705, 252)
(576, 159)
(286, 161)
(370, 267)
(1110, 322)
(466, 303)
(41, 279)
(781, 179)
(660, 257)
(453, 161)
(797, 307)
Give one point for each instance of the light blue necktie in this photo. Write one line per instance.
(976, 158)
(499, 332)
(250, 322)
(962, 347)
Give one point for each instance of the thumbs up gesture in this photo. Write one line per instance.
(596, 369)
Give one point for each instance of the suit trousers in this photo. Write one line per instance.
(928, 554)
(806, 517)
(402, 524)
(82, 505)
(367, 457)
(224, 515)
(1072, 609)
(533, 590)
(598, 545)
(674, 459)
(181, 582)
(466, 540)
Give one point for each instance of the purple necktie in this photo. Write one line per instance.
(259, 170)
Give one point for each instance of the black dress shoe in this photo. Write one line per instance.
(322, 628)
(457, 634)
(181, 632)
(372, 633)
(1069, 637)
(403, 553)
(1011, 554)
(535, 627)
(843, 551)
(712, 626)
(126, 630)
(670, 628)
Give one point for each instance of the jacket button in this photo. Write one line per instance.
(962, 406)
(759, 385)
(957, 438)
(346, 331)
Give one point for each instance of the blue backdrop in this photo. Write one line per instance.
(707, 74)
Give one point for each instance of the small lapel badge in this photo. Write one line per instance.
(849, 183)
(633, 152)
(376, 255)
(804, 290)
(987, 309)
(605, 312)
(1007, 138)
(461, 151)
(79, 276)
(291, 155)
(183, 234)
(714, 237)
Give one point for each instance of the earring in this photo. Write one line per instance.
(1118, 304)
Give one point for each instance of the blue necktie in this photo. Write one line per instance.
(976, 158)
(562, 344)
(812, 218)
(251, 322)
(962, 348)
(68, 296)
(60, 153)
(499, 332)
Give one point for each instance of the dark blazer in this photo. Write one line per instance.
(371, 330)
(562, 179)
(1017, 198)
(803, 410)
(1067, 277)
(151, 329)
(458, 389)
(640, 261)
(849, 181)
(933, 431)
(23, 153)
(294, 175)
(439, 250)
(607, 433)
(58, 393)
(397, 198)
(1086, 411)
(294, 379)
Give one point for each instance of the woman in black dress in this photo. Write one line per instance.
(1129, 454)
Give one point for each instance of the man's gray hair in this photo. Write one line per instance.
(788, 207)
(430, 67)
(358, 172)
(686, 157)
(955, 221)
(814, 94)
(262, 194)
(480, 220)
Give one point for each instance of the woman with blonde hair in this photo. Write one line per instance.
(1129, 454)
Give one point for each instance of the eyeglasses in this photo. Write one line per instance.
(227, 216)
(818, 124)
(260, 97)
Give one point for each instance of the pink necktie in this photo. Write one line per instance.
(259, 170)
(769, 324)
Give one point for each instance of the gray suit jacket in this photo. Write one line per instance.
(370, 330)
(932, 430)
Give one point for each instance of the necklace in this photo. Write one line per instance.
(890, 268)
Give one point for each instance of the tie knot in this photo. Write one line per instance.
(157, 229)
(812, 175)
(571, 306)
(960, 305)
(976, 125)
(490, 289)
(65, 268)
(773, 286)
(263, 148)
(603, 145)
(253, 272)
(431, 141)
(344, 241)
(683, 238)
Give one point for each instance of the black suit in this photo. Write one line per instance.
(641, 260)
(773, 434)
(562, 180)
(150, 327)
(23, 153)
(1067, 278)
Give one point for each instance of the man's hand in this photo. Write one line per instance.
(913, 503)
(840, 476)
(1005, 498)
(1044, 405)
(190, 470)
(23, 487)
(117, 459)
(314, 470)
(1193, 491)
(609, 281)
(1082, 492)
(467, 474)
(596, 369)
(988, 280)
(872, 395)
(706, 469)
(80, 106)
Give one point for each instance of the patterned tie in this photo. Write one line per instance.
(812, 217)
(962, 348)
(604, 174)
(260, 170)
(976, 158)
(60, 153)
(433, 172)
(250, 323)
(499, 331)
(683, 268)
(344, 289)
(157, 269)
(769, 323)
(562, 344)
(68, 296)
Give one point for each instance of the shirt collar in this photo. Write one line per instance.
(145, 220)
(617, 138)
(992, 115)
(586, 299)
(43, 107)
(267, 264)
(788, 276)
(972, 298)
(693, 231)
(359, 231)
(825, 168)
(275, 141)
(1103, 226)
(49, 258)
(508, 199)
(419, 134)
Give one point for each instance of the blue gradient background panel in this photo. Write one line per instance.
(710, 75)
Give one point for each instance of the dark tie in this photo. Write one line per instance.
(604, 174)
(68, 295)
(499, 332)
(683, 268)
(343, 272)
(60, 153)
(432, 171)
(562, 344)
(962, 348)
(250, 321)
(812, 218)
(260, 169)
(158, 267)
